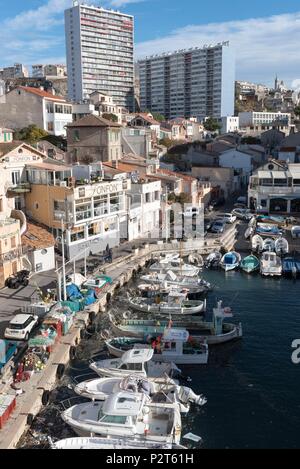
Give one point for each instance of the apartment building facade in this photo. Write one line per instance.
(261, 119)
(100, 48)
(198, 82)
(87, 210)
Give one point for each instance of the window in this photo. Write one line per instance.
(1, 205)
(13, 242)
(39, 267)
(115, 419)
(15, 177)
(76, 136)
(50, 127)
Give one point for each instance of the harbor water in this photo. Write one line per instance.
(251, 385)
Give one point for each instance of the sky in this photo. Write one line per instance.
(264, 34)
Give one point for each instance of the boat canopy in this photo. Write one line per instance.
(137, 356)
(176, 335)
(122, 403)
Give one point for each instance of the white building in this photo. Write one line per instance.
(144, 210)
(239, 161)
(197, 82)
(17, 71)
(253, 119)
(99, 47)
(49, 70)
(26, 105)
(105, 104)
(275, 188)
(229, 124)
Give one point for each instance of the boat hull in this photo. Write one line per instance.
(184, 359)
(234, 332)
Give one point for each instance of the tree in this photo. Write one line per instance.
(158, 117)
(211, 125)
(251, 140)
(297, 111)
(110, 117)
(166, 142)
(59, 142)
(31, 134)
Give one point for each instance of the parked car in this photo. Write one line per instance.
(18, 279)
(20, 327)
(229, 217)
(242, 214)
(295, 232)
(218, 226)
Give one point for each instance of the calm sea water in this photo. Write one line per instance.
(252, 386)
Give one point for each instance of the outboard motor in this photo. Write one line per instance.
(186, 395)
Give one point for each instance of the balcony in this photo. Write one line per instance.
(20, 188)
(11, 255)
(276, 190)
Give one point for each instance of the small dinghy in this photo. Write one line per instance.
(171, 346)
(257, 243)
(291, 267)
(213, 260)
(281, 246)
(230, 261)
(109, 443)
(250, 264)
(270, 265)
(269, 245)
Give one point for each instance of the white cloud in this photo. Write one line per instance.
(264, 46)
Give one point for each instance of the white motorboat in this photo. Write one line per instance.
(213, 260)
(126, 415)
(269, 245)
(281, 246)
(171, 279)
(177, 266)
(249, 232)
(109, 443)
(197, 260)
(231, 261)
(176, 303)
(257, 243)
(133, 362)
(159, 389)
(171, 346)
(270, 264)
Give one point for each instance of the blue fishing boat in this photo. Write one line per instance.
(230, 261)
(250, 264)
(291, 267)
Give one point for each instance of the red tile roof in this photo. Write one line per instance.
(147, 118)
(41, 93)
(168, 172)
